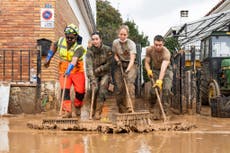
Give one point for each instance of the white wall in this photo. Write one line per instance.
(83, 30)
(94, 9)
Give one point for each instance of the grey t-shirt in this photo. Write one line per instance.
(123, 50)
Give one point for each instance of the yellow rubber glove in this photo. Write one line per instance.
(150, 73)
(158, 84)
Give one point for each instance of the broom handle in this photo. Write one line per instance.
(159, 101)
(63, 94)
(92, 103)
(127, 90)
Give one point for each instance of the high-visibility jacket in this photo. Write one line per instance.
(67, 55)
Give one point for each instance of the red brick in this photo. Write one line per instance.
(20, 28)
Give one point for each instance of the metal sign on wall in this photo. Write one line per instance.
(47, 17)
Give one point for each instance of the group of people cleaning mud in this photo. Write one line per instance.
(98, 63)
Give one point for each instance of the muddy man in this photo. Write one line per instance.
(157, 65)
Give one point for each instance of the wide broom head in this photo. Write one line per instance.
(60, 121)
(135, 120)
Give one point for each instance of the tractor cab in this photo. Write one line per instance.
(215, 67)
(215, 57)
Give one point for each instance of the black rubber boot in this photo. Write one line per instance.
(152, 102)
(166, 104)
(155, 111)
(121, 107)
(98, 111)
(78, 112)
(66, 114)
(128, 105)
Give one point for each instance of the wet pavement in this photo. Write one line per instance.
(212, 135)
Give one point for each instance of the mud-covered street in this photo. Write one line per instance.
(211, 135)
(59, 60)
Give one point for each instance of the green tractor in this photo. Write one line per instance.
(214, 73)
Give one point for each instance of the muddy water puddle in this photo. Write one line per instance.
(30, 141)
(212, 135)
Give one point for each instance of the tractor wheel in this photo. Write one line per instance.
(213, 91)
(203, 86)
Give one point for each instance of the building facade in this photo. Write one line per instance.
(27, 29)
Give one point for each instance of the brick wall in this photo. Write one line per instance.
(17, 24)
(63, 16)
(20, 29)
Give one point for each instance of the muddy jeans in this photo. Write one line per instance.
(121, 95)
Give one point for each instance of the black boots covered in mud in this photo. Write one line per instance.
(77, 113)
(98, 111)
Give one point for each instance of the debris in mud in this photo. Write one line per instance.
(60, 121)
(173, 126)
(109, 127)
(104, 127)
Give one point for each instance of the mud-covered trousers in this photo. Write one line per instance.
(166, 89)
(121, 95)
(101, 93)
(76, 79)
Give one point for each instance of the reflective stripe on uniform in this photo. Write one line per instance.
(67, 54)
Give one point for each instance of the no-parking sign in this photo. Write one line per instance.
(47, 18)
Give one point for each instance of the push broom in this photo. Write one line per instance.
(132, 118)
(159, 101)
(59, 120)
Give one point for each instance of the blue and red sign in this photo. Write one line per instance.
(47, 15)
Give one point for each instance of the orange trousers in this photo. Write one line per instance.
(76, 79)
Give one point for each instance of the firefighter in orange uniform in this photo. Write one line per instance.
(70, 66)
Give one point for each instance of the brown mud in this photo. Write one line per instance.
(210, 135)
(112, 122)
